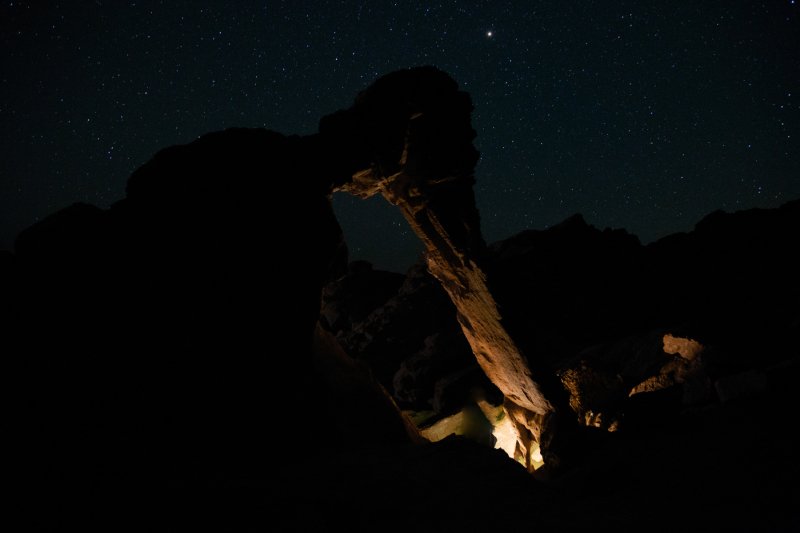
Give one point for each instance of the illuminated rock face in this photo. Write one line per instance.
(602, 379)
(151, 342)
(689, 349)
(427, 174)
(480, 321)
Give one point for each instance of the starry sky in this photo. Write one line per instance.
(638, 114)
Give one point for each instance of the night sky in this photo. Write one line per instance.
(639, 115)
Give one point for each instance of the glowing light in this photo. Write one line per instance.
(489, 33)
(505, 437)
(503, 430)
(536, 457)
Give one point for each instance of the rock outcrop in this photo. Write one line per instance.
(678, 324)
(171, 367)
(430, 180)
(173, 337)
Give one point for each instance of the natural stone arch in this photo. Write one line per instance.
(416, 125)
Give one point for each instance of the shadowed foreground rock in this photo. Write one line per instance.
(680, 359)
(167, 341)
(168, 370)
(171, 337)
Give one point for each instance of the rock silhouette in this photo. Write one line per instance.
(576, 296)
(678, 357)
(172, 336)
(170, 370)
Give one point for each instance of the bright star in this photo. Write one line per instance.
(489, 33)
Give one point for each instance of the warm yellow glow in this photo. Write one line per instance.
(536, 457)
(505, 436)
(503, 430)
(506, 439)
(452, 425)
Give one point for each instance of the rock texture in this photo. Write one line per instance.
(683, 424)
(430, 181)
(171, 340)
(632, 331)
(169, 367)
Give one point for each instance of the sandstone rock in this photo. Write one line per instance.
(349, 299)
(420, 312)
(152, 379)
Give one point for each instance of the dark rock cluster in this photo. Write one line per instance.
(169, 367)
(166, 348)
(679, 358)
(596, 307)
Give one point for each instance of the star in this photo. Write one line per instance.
(519, 81)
